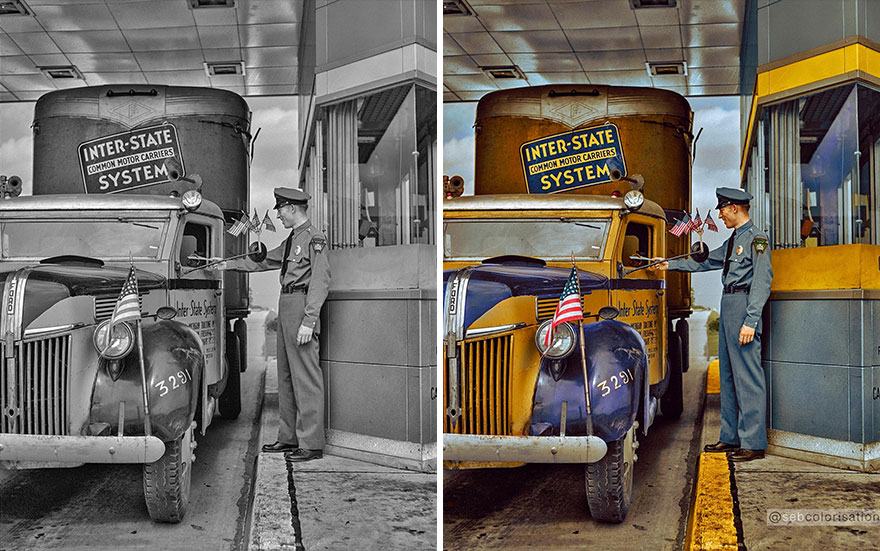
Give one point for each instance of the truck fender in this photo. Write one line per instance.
(616, 364)
(174, 364)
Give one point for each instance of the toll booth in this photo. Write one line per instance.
(811, 158)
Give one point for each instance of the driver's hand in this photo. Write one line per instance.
(218, 267)
(662, 267)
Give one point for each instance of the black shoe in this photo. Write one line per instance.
(279, 447)
(746, 455)
(303, 455)
(720, 447)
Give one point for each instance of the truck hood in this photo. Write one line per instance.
(47, 284)
(491, 283)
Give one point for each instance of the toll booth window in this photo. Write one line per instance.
(636, 243)
(815, 169)
(379, 151)
(195, 245)
(546, 239)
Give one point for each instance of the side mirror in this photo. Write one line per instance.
(166, 313)
(699, 252)
(608, 312)
(257, 252)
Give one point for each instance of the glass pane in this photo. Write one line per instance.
(91, 238)
(547, 239)
(423, 195)
(833, 198)
(386, 146)
(869, 162)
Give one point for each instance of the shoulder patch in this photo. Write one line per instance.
(318, 243)
(760, 244)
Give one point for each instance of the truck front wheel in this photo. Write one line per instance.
(230, 400)
(167, 481)
(610, 481)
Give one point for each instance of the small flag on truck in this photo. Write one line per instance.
(267, 222)
(240, 226)
(569, 307)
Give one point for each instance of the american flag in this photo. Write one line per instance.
(255, 223)
(128, 307)
(683, 226)
(241, 225)
(697, 221)
(710, 224)
(569, 307)
(267, 222)
(675, 230)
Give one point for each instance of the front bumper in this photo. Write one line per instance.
(81, 449)
(523, 449)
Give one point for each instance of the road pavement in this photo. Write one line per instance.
(102, 506)
(544, 506)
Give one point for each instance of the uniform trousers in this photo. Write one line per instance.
(300, 379)
(743, 387)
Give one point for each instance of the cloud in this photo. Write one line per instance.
(458, 120)
(458, 158)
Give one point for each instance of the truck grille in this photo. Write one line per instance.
(484, 375)
(42, 370)
(547, 307)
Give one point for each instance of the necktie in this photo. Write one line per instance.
(287, 254)
(727, 255)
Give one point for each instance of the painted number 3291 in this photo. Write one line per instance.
(173, 382)
(615, 382)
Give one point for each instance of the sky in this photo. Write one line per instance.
(274, 165)
(716, 165)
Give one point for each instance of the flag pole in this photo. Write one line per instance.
(583, 355)
(148, 429)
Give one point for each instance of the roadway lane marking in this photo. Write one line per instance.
(714, 522)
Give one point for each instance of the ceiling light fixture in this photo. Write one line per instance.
(638, 4)
(503, 72)
(656, 68)
(223, 68)
(61, 72)
(13, 7)
(457, 7)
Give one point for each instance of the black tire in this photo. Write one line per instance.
(230, 400)
(681, 327)
(671, 403)
(609, 484)
(240, 329)
(167, 482)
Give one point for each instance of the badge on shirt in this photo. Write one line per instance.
(739, 250)
(760, 244)
(299, 250)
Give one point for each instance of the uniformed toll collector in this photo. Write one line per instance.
(305, 278)
(744, 260)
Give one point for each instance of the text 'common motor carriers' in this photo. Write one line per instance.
(130, 160)
(573, 159)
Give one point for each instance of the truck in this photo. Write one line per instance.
(134, 183)
(568, 178)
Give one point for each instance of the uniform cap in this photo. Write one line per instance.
(732, 196)
(290, 196)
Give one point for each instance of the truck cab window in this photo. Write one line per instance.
(636, 242)
(195, 245)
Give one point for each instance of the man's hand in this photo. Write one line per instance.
(218, 267)
(746, 335)
(662, 267)
(304, 334)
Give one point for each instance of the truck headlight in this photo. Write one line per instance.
(563, 340)
(118, 345)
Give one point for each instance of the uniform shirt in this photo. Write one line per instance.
(749, 265)
(307, 266)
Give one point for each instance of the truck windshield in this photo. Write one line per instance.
(102, 239)
(550, 239)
